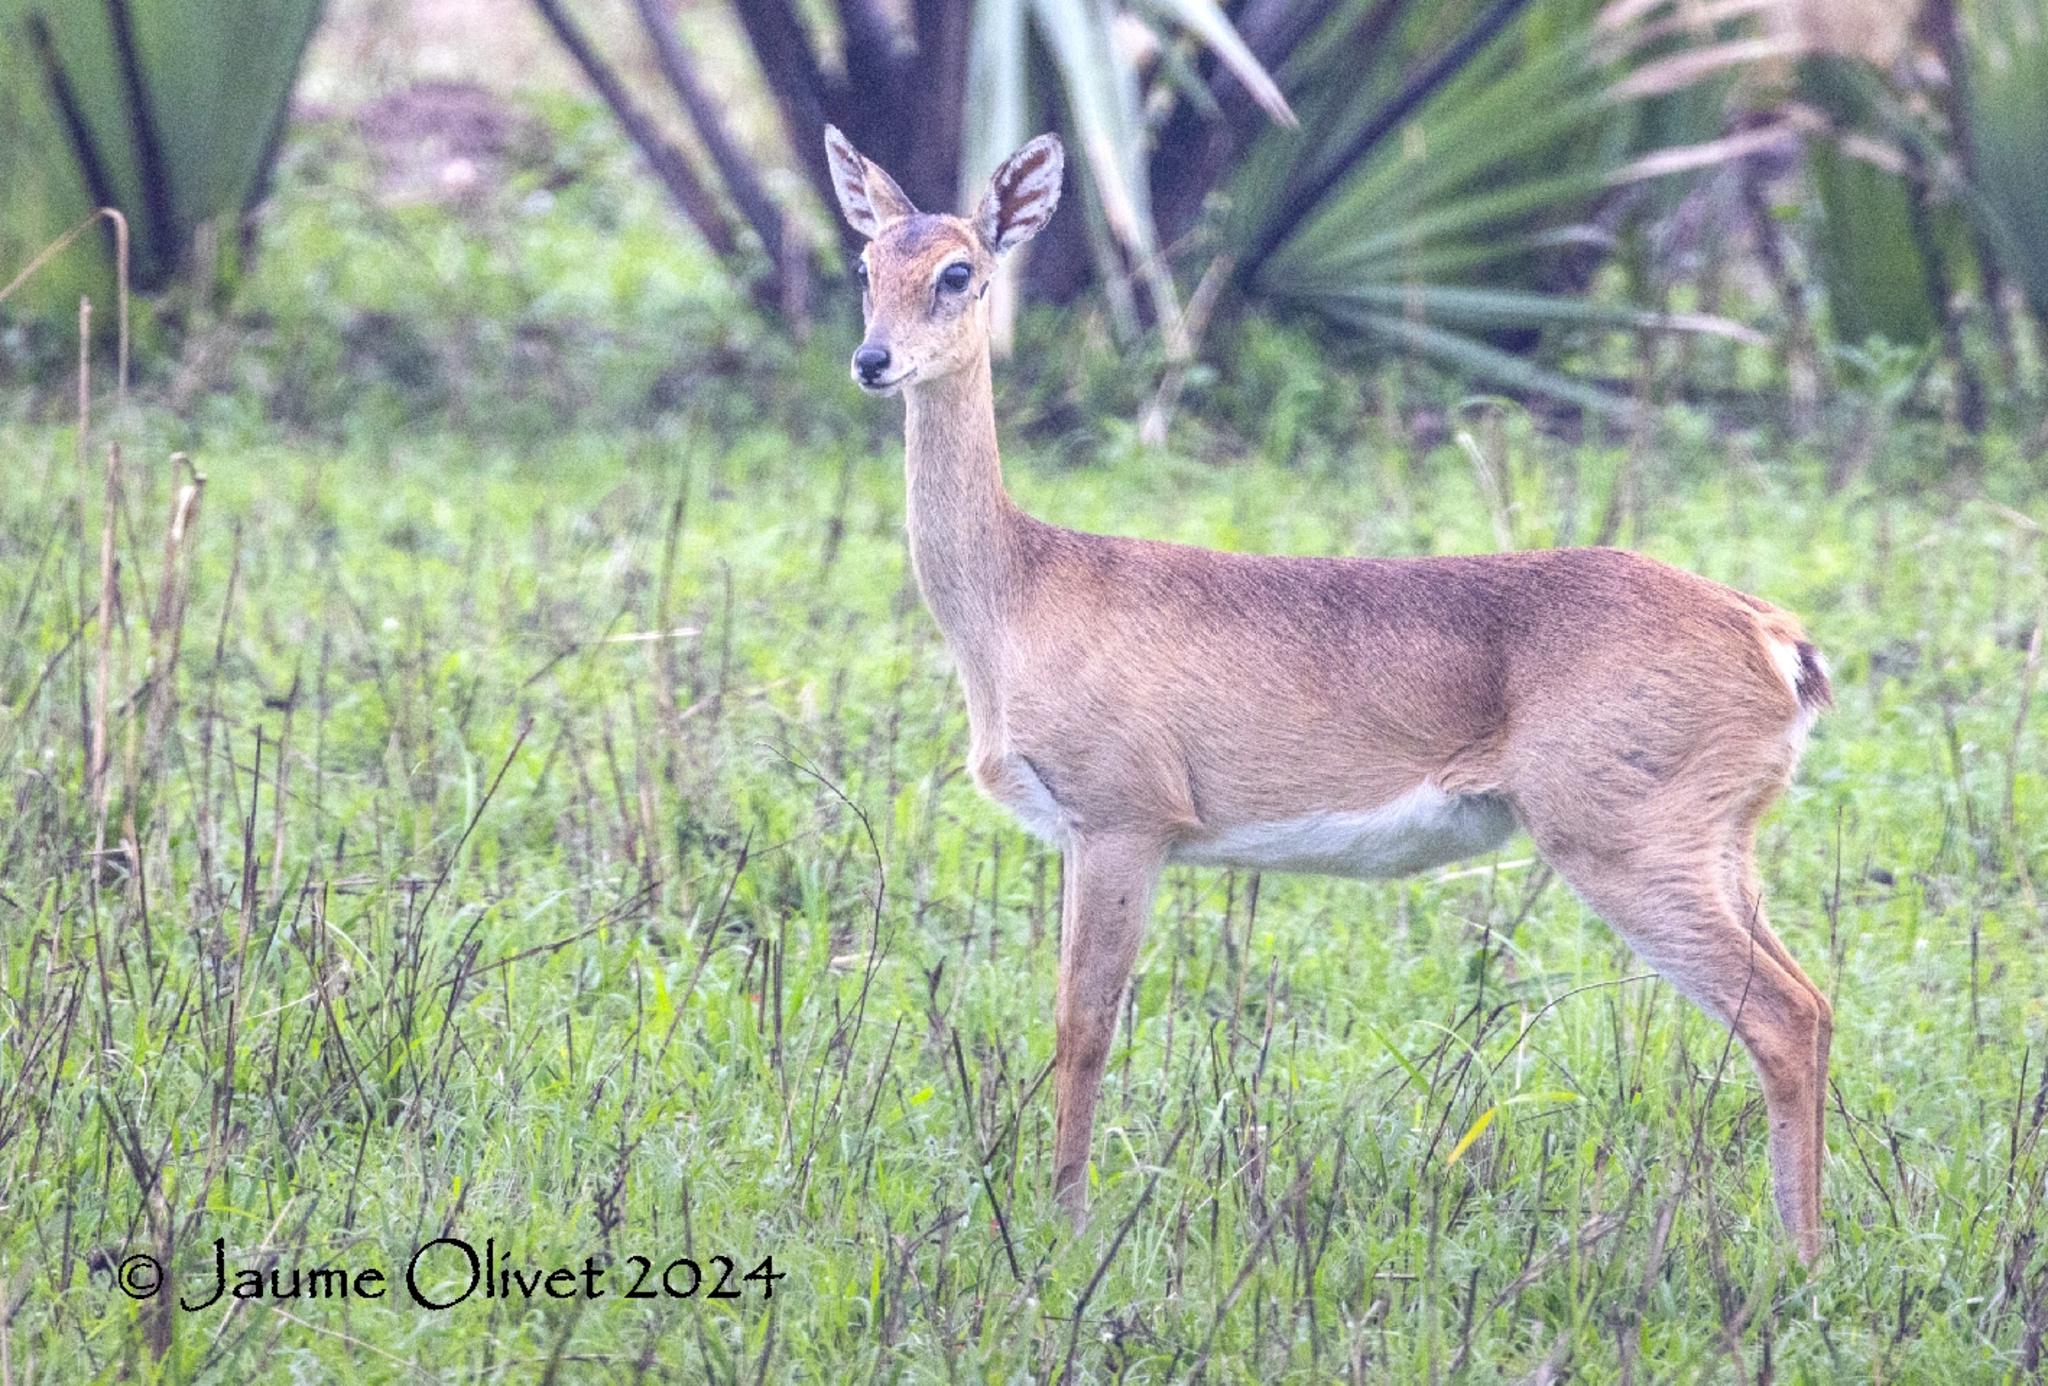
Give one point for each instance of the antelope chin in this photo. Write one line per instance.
(886, 387)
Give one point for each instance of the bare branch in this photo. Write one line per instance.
(742, 180)
(670, 164)
(783, 48)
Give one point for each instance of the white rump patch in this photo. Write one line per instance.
(1423, 828)
(1785, 656)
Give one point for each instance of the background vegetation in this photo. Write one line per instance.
(475, 762)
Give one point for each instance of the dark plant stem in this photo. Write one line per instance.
(1938, 21)
(670, 165)
(1303, 201)
(1061, 264)
(84, 148)
(944, 30)
(1797, 354)
(870, 35)
(1920, 220)
(742, 180)
(161, 231)
(781, 46)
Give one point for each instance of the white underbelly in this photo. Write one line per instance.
(1423, 828)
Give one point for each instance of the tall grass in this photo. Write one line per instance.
(422, 840)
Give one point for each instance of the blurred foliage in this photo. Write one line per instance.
(1485, 187)
(169, 110)
(558, 297)
(1435, 196)
(1929, 176)
(2005, 110)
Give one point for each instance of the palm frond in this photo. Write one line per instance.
(2007, 115)
(1505, 368)
(1435, 222)
(170, 110)
(1206, 21)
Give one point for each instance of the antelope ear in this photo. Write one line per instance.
(868, 197)
(1022, 194)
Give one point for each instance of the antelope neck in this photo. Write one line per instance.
(965, 531)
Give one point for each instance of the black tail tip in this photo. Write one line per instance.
(1812, 686)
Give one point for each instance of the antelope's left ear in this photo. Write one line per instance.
(869, 198)
(1022, 194)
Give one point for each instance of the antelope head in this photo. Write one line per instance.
(924, 276)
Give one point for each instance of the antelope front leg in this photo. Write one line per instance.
(1108, 897)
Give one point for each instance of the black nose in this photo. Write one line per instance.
(870, 361)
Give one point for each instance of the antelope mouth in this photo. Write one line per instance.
(885, 387)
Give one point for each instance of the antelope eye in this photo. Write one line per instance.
(860, 272)
(953, 278)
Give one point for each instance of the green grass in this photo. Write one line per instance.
(449, 907)
(548, 828)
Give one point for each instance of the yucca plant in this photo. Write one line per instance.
(167, 110)
(1435, 196)
(938, 91)
(1449, 208)
(1416, 215)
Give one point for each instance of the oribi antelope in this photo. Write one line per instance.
(1137, 703)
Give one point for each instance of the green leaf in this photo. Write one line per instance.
(215, 77)
(1478, 1127)
(1487, 362)
(1206, 21)
(1454, 225)
(1869, 260)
